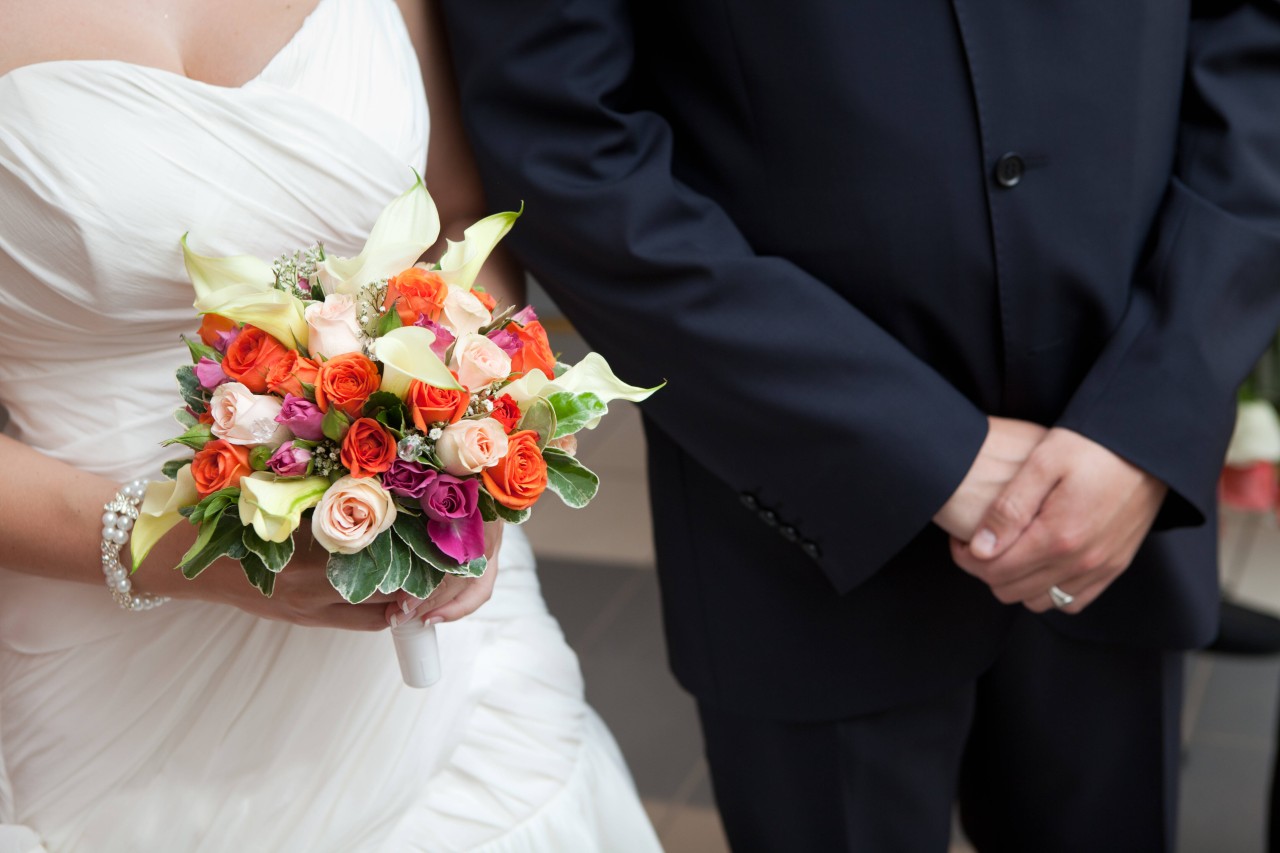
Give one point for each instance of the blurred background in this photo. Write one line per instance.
(596, 566)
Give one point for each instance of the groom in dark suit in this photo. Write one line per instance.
(952, 299)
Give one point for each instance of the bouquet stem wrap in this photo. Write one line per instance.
(418, 653)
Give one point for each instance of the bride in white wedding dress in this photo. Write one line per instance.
(201, 725)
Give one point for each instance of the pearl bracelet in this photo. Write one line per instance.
(117, 520)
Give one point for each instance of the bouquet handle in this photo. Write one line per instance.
(418, 653)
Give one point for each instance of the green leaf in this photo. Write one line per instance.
(274, 555)
(570, 479)
(390, 320)
(214, 541)
(308, 390)
(212, 506)
(173, 466)
(237, 551)
(541, 418)
(387, 409)
(199, 350)
(498, 320)
(317, 292)
(512, 516)
(335, 424)
(185, 418)
(192, 391)
(402, 558)
(258, 574)
(196, 437)
(488, 507)
(423, 579)
(575, 411)
(258, 457)
(355, 576)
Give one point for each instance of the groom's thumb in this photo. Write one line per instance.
(1012, 512)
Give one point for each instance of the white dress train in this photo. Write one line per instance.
(198, 727)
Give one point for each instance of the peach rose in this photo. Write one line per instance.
(468, 447)
(535, 350)
(333, 327)
(351, 515)
(520, 477)
(242, 417)
(463, 313)
(250, 356)
(416, 292)
(429, 405)
(288, 374)
(367, 448)
(346, 382)
(478, 361)
(219, 465)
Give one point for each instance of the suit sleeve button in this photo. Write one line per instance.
(749, 501)
(769, 517)
(811, 549)
(789, 533)
(1009, 170)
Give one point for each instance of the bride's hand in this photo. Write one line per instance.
(456, 596)
(302, 594)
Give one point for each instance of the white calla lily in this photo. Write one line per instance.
(461, 262)
(1257, 434)
(159, 512)
(274, 507)
(404, 230)
(406, 355)
(591, 375)
(241, 288)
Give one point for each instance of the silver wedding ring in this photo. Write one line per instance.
(1059, 598)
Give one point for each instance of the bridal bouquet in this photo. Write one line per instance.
(389, 405)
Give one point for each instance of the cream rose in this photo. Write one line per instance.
(463, 312)
(352, 514)
(468, 447)
(243, 417)
(333, 326)
(479, 361)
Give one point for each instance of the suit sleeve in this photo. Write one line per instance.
(776, 384)
(1162, 392)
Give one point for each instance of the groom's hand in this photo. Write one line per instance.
(1008, 445)
(1073, 517)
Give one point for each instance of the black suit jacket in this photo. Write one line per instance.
(845, 232)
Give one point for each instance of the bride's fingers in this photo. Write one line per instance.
(474, 593)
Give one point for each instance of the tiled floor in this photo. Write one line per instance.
(596, 569)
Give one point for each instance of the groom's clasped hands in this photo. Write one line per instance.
(1043, 508)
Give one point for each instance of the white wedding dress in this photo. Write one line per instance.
(197, 727)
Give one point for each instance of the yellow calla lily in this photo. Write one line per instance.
(241, 288)
(274, 506)
(159, 512)
(591, 375)
(461, 262)
(404, 230)
(406, 355)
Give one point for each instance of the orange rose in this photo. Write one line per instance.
(521, 477)
(486, 300)
(250, 356)
(535, 350)
(219, 465)
(287, 375)
(506, 412)
(368, 449)
(346, 381)
(212, 327)
(416, 291)
(429, 404)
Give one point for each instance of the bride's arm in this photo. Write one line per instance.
(451, 175)
(51, 526)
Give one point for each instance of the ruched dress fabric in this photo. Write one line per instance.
(197, 727)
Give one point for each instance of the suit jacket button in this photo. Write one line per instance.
(1009, 170)
(749, 501)
(769, 517)
(789, 533)
(811, 549)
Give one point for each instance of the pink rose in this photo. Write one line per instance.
(351, 515)
(478, 361)
(242, 417)
(463, 312)
(333, 326)
(468, 447)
